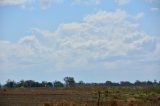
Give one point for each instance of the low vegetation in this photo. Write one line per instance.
(70, 93)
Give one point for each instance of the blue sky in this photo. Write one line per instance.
(90, 40)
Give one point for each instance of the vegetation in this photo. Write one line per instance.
(72, 93)
(70, 82)
(58, 84)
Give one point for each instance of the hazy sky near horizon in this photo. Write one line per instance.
(90, 40)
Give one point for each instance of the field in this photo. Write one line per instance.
(81, 96)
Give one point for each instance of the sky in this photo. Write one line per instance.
(90, 40)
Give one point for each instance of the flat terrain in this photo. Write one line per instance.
(81, 96)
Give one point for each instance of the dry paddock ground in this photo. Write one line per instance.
(70, 97)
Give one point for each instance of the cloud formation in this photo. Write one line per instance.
(44, 4)
(103, 38)
(86, 2)
(153, 1)
(14, 2)
(122, 2)
(155, 9)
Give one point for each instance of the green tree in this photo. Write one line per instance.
(44, 83)
(69, 81)
(81, 83)
(125, 83)
(138, 83)
(21, 83)
(49, 84)
(58, 84)
(10, 84)
(108, 83)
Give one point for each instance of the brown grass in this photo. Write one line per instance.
(75, 97)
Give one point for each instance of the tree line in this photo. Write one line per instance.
(70, 82)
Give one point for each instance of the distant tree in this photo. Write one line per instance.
(138, 83)
(143, 83)
(29, 83)
(21, 83)
(10, 84)
(37, 84)
(81, 83)
(44, 83)
(69, 81)
(0, 85)
(155, 82)
(58, 84)
(115, 84)
(109, 83)
(49, 84)
(125, 83)
(149, 83)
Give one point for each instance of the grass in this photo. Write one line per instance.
(81, 96)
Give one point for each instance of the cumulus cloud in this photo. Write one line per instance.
(86, 2)
(45, 33)
(153, 1)
(101, 37)
(122, 2)
(25, 52)
(23, 3)
(44, 4)
(155, 9)
(139, 16)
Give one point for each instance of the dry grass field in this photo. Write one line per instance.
(81, 96)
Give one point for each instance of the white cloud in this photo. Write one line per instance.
(44, 4)
(14, 2)
(122, 2)
(27, 51)
(105, 16)
(139, 15)
(155, 9)
(45, 33)
(86, 2)
(99, 37)
(153, 1)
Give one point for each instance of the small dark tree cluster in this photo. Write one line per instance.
(136, 83)
(27, 83)
(58, 84)
(69, 81)
(10, 83)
